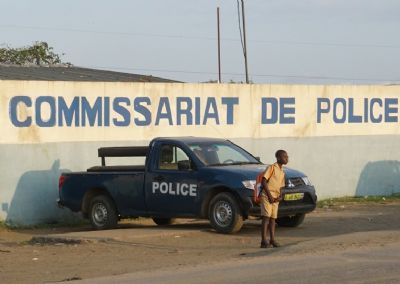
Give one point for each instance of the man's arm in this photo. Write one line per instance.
(265, 188)
(279, 198)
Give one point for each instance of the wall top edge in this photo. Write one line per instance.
(198, 84)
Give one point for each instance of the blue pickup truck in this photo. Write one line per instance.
(183, 177)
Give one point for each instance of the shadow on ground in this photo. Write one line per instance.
(319, 224)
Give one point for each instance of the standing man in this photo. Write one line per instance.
(272, 182)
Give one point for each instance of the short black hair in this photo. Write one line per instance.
(279, 153)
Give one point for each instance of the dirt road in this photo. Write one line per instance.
(355, 265)
(64, 254)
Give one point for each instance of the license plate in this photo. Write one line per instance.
(293, 196)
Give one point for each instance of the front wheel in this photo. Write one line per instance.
(102, 213)
(225, 214)
(291, 221)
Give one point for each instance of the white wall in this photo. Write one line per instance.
(351, 152)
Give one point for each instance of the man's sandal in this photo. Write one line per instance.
(275, 244)
(265, 245)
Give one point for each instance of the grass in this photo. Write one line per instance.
(330, 202)
(2, 224)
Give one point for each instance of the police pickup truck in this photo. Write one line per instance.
(183, 177)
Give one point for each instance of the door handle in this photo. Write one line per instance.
(159, 178)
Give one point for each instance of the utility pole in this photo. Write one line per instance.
(245, 45)
(219, 48)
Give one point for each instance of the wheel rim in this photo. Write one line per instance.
(100, 214)
(223, 213)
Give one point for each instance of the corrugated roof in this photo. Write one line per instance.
(64, 73)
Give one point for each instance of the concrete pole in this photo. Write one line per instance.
(244, 43)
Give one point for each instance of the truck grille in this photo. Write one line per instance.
(294, 182)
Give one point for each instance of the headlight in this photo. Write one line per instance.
(249, 184)
(306, 181)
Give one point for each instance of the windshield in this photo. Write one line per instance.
(221, 153)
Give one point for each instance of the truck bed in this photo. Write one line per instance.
(139, 168)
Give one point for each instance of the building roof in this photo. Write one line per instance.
(71, 73)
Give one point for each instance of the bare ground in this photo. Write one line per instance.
(65, 254)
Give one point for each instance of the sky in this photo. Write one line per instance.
(288, 41)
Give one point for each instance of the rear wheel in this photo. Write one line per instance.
(225, 214)
(291, 221)
(102, 213)
(163, 221)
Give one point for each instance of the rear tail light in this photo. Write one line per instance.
(61, 181)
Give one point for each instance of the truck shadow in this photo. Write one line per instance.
(324, 223)
(189, 225)
(34, 200)
(321, 223)
(379, 178)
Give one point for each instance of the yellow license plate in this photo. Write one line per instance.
(293, 196)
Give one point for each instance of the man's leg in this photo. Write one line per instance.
(264, 229)
(265, 213)
(271, 226)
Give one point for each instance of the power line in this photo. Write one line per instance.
(109, 32)
(315, 77)
(279, 42)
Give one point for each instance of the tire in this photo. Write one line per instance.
(291, 221)
(225, 214)
(163, 221)
(102, 213)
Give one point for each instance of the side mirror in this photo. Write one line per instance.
(258, 159)
(184, 165)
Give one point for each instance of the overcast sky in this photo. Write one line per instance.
(288, 41)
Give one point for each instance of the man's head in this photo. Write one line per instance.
(282, 157)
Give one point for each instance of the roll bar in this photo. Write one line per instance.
(139, 151)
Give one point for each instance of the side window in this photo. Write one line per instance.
(173, 158)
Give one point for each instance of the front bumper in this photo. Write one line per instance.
(289, 208)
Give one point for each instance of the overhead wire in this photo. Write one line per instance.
(281, 42)
(227, 39)
(255, 75)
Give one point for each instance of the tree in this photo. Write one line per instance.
(40, 53)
